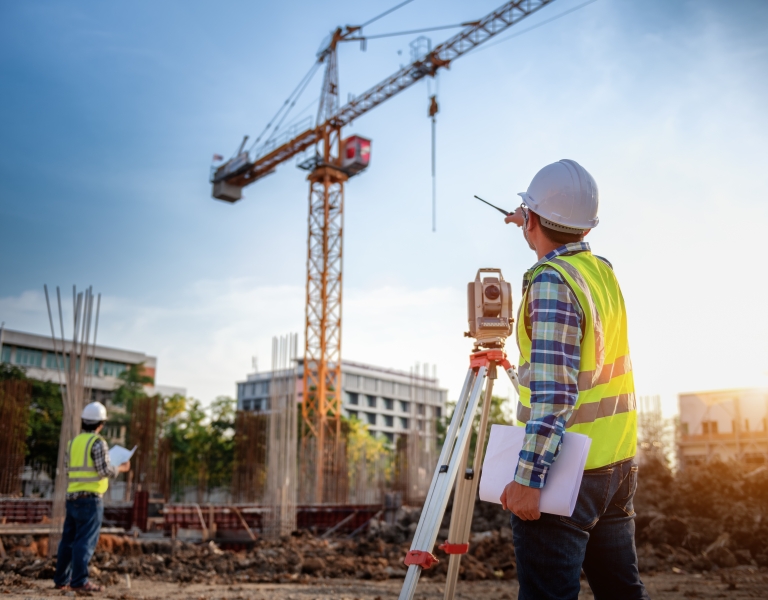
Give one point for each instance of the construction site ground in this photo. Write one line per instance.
(734, 585)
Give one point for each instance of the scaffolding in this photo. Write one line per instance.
(282, 469)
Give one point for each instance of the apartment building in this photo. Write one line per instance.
(725, 424)
(390, 402)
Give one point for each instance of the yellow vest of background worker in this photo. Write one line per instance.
(605, 408)
(81, 472)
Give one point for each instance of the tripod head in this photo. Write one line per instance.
(489, 310)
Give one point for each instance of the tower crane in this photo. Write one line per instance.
(336, 159)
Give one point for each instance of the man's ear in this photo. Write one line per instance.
(533, 220)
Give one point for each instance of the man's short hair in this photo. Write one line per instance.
(88, 426)
(559, 237)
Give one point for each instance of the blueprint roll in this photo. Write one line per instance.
(558, 497)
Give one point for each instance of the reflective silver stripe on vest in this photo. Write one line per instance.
(590, 412)
(85, 468)
(597, 323)
(524, 374)
(621, 366)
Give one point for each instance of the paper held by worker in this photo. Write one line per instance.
(118, 455)
(563, 481)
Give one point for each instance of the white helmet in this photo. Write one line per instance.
(95, 411)
(564, 195)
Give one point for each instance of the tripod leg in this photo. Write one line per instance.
(466, 491)
(454, 448)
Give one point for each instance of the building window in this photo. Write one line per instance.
(353, 398)
(403, 390)
(369, 384)
(387, 387)
(5, 356)
(389, 404)
(421, 425)
(404, 422)
(390, 436)
(113, 369)
(371, 401)
(422, 409)
(352, 414)
(29, 358)
(438, 412)
(405, 406)
(246, 405)
(709, 427)
(51, 361)
(371, 418)
(389, 421)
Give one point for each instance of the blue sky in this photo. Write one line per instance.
(111, 112)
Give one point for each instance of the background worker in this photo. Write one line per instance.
(575, 375)
(88, 468)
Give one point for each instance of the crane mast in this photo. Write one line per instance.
(322, 451)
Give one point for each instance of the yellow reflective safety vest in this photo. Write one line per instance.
(81, 471)
(605, 409)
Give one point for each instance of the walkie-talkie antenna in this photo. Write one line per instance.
(501, 210)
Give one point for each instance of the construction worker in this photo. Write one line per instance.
(575, 375)
(88, 468)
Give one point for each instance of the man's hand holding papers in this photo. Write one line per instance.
(521, 500)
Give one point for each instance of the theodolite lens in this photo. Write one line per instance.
(492, 292)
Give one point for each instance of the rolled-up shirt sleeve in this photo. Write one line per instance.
(100, 456)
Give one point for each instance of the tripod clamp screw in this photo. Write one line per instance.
(420, 558)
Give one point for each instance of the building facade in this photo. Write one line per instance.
(390, 402)
(725, 424)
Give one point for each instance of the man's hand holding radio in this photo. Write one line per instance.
(516, 217)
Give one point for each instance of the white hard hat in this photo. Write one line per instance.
(95, 411)
(565, 196)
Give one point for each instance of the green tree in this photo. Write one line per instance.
(201, 439)
(501, 413)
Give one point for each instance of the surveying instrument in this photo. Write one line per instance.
(489, 304)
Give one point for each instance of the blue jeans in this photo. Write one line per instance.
(78, 541)
(599, 537)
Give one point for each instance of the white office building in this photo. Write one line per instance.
(390, 402)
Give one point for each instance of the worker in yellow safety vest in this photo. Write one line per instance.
(575, 374)
(88, 470)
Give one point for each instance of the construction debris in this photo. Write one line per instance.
(708, 519)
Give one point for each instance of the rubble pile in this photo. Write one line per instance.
(708, 516)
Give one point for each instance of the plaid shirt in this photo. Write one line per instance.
(100, 456)
(553, 319)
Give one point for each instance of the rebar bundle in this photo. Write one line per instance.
(14, 413)
(249, 475)
(282, 468)
(74, 362)
(143, 433)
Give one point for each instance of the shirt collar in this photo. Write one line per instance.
(572, 248)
